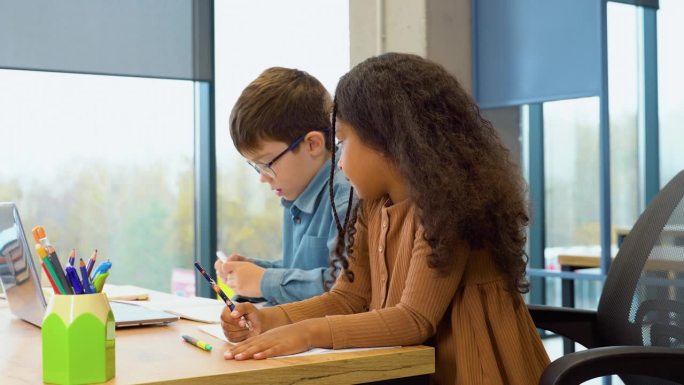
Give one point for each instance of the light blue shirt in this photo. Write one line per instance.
(309, 237)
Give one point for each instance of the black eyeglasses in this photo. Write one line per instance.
(266, 168)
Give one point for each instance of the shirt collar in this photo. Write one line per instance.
(306, 201)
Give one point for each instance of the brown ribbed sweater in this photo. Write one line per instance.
(483, 334)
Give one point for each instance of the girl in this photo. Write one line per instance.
(434, 248)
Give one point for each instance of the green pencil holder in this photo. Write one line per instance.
(78, 340)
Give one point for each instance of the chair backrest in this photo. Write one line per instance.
(642, 302)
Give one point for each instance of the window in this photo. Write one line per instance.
(670, 86)
(571, 173)
(571, 148)
(623, 99)
(102, 162)
(251, 36)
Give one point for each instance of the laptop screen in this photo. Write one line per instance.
(17, 270)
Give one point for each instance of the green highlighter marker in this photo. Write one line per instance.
(200, 344)
(99, 281)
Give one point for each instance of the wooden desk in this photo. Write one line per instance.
(672, 234)
(157, 354)
(661, 260)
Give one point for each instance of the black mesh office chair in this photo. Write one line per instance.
(637, 331)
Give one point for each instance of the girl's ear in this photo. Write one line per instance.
(315, 142)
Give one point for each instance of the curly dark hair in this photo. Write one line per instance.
(460, 175)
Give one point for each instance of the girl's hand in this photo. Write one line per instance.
(288, 339)
(235, 328)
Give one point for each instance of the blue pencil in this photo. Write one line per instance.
(87, 286)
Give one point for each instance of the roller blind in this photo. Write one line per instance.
(530, 51)
(148, 38)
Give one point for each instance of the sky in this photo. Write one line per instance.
(52, 121)
(55, 121)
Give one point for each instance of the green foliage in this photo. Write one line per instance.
(142, 219)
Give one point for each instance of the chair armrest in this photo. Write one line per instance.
(578, 325)
(576, 368)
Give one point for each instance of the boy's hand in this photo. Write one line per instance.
(235, 328)
(218, 265)
(243, 277)
(238, 258)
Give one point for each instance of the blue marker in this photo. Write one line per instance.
(101, 269)
(73, 279)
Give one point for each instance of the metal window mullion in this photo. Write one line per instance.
(205, 183)
(604, 154)
(537, 237)
(205, 145)
(604, 149)
(648, 104)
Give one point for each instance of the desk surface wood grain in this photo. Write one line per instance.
(157, 354)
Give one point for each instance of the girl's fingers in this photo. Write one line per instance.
(227, 317)
(237, 336)
(247, 349)
(249, 352)
(270, 352)
(234, 332)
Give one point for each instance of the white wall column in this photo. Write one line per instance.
(435, 29)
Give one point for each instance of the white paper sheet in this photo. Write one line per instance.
(125, 292)
(195, 308)
(217, 332)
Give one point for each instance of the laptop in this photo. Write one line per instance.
(21, 282)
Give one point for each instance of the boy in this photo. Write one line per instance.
(280, 124)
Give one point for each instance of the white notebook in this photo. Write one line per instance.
(194, 309)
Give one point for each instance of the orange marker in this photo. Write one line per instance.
(38, 233)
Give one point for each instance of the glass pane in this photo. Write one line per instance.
(623, 93)
(102, 162)
(571, 172)
(670, 86)
(309, 35)
(571, 182)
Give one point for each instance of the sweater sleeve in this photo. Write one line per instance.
(425, 298)
(345, 297)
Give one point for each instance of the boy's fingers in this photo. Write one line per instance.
(229, 267)
(218, 265)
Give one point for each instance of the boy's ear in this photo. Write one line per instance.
(315, 142)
